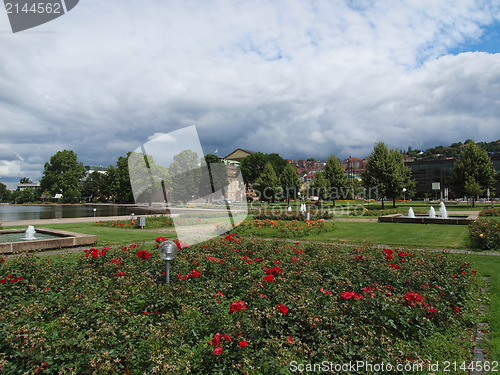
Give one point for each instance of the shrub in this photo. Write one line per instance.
(490, 212)
(485, 234)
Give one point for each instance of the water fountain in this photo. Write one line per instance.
(430, 218)
(411, 213)
(432, 212)
(29, 235)
(442, 211)
(19, 240)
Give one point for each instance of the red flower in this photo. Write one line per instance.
(237, 306)
(349, 295)
(217, 350)
(393, 265)
(160, 239)
(194, 273)
(432, 310)
(269, 278)
(2, 260)
(3, 281)
(216, 340)
(413, 298)
(289, 339)
(143, 254)
(282, 308)
(275, 270)
(243, 344)
(388, 254)
(119, 274)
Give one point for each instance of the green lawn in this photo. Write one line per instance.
(394, 234)
(490, 266)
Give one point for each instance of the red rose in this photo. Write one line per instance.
(269, 278)
(237, 306)
(243, 344)
(216, 340)
(217, 350)
(349, 295)
(143, 254)
(282, 308)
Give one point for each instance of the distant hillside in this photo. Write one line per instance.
(453, 150)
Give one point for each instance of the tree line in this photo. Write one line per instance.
(270, 176)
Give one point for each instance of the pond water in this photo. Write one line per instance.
(17, 237)
(33, 211)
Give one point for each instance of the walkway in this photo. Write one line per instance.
(67, 220)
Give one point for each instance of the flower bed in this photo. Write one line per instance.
(152, 222)
(233, 306)
(283, 229)
(291, 215)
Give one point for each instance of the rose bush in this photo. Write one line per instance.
(283, 229)
(485, 234)
(320, 303)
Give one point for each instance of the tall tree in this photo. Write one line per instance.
(25, 180)
(401, 177)
(337, 181)
(473, 171)
(124, 192)
(319, 186)
(185, 173)
(91, 189)
(150, 181)
(278, 163)
(268, 184)
(386, 174)
(215, 171)
(253, 165)
(109, 184)
(290, 183)
(63, 174)
(4, 192)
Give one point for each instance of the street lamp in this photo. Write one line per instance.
(404, 194)
(168, 251)
(94, 211)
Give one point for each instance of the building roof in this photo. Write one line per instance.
(239, 154)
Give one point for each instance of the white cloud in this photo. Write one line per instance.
(294, 77)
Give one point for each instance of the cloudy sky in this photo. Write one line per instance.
(301, 78)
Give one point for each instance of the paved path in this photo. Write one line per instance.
(67, 220)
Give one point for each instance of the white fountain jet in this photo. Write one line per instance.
(30, 233)
(432, 212)
(442, 210)
(411, 213)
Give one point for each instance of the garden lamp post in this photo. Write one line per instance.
(168, 251)
(404, 194)
(132, 216)
(94, 211)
